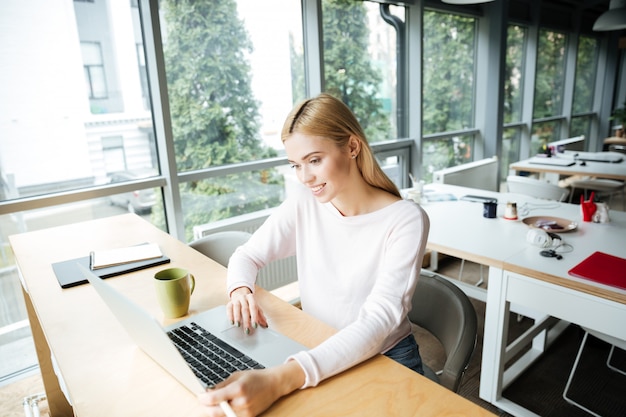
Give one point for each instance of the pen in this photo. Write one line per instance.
(227, 409)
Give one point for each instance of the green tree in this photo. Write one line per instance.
(215, 117)
(448, 80)
(349, 73)
(448, 72)
(586, 65)
(513, 82)
(549, 87)
(586, 72)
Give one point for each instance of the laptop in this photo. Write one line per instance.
(165, 345)
(609, 157)
(563, 162)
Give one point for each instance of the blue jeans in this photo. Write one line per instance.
(407, 353)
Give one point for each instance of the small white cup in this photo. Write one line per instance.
(415, 194)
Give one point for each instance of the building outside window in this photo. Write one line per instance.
(63, 129)
(94, 70)
(114, 154)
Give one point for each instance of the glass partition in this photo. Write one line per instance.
(74, 116)
(439, 153)
(550, 81)
(360, 63)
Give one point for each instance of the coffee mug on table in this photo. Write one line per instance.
(489, 209)
(174, 287)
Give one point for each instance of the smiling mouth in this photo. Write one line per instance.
(317, 188)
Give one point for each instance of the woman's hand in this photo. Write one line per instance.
(249, 393)
(243, 310)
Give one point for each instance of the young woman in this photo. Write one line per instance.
(359, 250)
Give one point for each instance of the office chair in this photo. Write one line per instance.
(617, 148)
(442, 309)
(221, 245)
(614, 342)
(599, 186)
(535, 188)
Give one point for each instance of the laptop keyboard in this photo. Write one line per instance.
(210, 358)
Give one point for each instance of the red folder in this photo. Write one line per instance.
(603, 268)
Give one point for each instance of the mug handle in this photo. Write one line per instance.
(193, 283)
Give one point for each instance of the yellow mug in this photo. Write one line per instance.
(174, 287)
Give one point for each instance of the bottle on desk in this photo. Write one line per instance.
(510, 213)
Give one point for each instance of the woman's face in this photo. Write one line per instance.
(319, 165)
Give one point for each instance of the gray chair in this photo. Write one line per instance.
(220, 246)
(614, 342)
(442, 309)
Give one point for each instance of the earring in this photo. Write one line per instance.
(353, 156)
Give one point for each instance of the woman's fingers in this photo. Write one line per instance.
(257, 318)
(243, 311)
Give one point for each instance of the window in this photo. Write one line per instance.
(114, 154)
(511, 140)
(234, 71)
(87, 122)
(549, 89)
(586, 73)
(360, 63)
(542, 133)
(550, 82)
(514, 73)
(94, 70)
(448, 90)
(143, 76)
(513, 97)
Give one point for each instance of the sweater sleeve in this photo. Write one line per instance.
(273, 240)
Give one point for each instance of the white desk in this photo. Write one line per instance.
(540, 287)
(616, 171)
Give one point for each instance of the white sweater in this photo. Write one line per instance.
(355, 273)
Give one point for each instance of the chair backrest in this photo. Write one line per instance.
(536, 188)
(482, 174)
(221, 245)
(442, 309)
(617, 148)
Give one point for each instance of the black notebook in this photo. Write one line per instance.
(69, 275)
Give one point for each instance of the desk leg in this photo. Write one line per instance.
(495, 337)
(57, 403)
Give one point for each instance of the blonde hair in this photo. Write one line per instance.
(327, 117)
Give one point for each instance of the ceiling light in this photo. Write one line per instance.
(612, 19)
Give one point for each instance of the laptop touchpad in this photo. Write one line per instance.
(259, 337)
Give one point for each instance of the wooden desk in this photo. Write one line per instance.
(521, 280)
(105, 374)
(616, 171)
